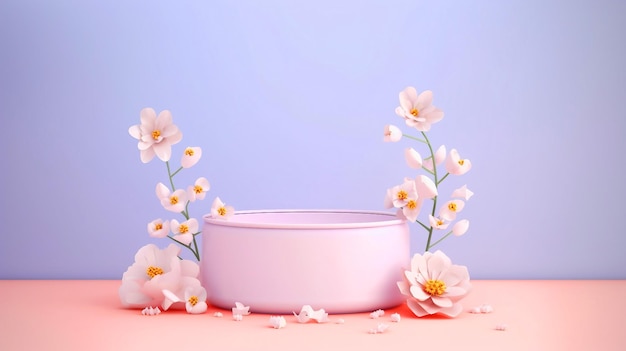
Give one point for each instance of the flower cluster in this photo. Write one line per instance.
(433, 285)
(418, 111)
(156, 135)
(161, 277)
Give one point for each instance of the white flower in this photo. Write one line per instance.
(437, 223)
(278, 322)
(418, 110)
(456, 165)
(198, 190)
(240, 309)
(449, 210)
(175, 201)
(191, 156)
(463, 192)
(156, 135)
(220, 210)
(184, 231)
(460, 227)
(195, 300)
(434, 285)
(413, 158)
(392, 133)
(307, 313)
(158, 228)
(153, 271)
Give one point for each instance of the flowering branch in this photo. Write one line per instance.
(419, 113)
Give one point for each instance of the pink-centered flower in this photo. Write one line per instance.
(434, 285)
(153, 271)
(220, 210)
(413, 158)
(449, 210)
(456, 165)
(184, 231)
(198, 190)
(191, 156)
(156, 135)
(392, 133)
(158, 228)
(418, 110)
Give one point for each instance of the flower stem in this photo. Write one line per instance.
(422, 224)
(438, 241)
(170, 175)
(444, 177)
(434, 173)
(414, 138)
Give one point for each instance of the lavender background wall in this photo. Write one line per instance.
(288, 101)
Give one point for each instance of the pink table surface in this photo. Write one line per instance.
(540, 315)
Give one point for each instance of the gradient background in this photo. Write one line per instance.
(288, 102)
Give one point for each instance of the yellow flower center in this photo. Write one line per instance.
(411, 205)
(153, 271)
(197, 189)
(156, 134)
(435, 287)
(461, 162)
(193, 300)
(414, 112)
(183, 228)
(189, 151)
(174, 200)
(439, 222)
(158, 226)
(221, 211)
(452, 207)
(402, 195)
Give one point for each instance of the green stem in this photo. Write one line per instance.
(444, 177)
(414, 138)
(438, 241)
(176, 172)
(434, 173)
(170, 175)
(422, 224)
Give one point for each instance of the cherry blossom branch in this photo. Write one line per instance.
(414, 138)
(440, 240)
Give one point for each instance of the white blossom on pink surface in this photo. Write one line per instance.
(155, 135)
(184, 231)
(158, 228)
(456, 165)
(195, 300)
(418, 110)
(198, 190)
(434, 285)
(191, 156)
(153, 271)
(392, 133)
